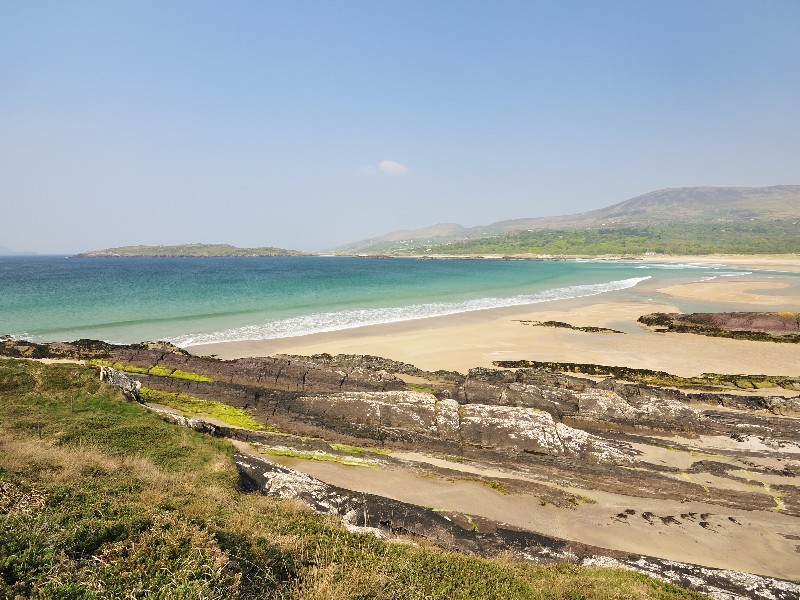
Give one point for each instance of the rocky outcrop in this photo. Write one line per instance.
(408, 418)
(566, 396)
(654, 411)
(707, 381)
(377, 363)
(417, 416)
(534, 431)
(774, 404)
(198, 425)
(299, 395)
(272, 373)
(756, 326)
(562, 325)
(130, 387)
(78, 350)
(524, 388)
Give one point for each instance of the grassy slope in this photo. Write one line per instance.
(762, 237)
(667, 207)
(100, 498)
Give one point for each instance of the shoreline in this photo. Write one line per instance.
(768, 262)
(465, 340)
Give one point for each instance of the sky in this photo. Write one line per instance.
(308, 124)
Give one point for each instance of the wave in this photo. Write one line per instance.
(679, 266)
(726, 274)
(350, 319)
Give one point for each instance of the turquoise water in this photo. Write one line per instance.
(190, 301)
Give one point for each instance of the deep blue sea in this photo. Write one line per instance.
(198, 300)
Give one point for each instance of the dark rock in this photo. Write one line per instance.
(757, 326)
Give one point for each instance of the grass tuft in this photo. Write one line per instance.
(155, 370)
(191, 406)
(319, 456)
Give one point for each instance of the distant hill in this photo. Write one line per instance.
(406, 239)
(188, 250)
(6, 251)
(701, 206)
(757, 236)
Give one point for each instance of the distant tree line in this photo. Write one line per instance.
(749, 237)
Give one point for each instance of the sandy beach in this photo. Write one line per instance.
(699, 531)
(781, 262)
(673, 532)
(476, 339)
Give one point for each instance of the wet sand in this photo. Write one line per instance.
(692, 532)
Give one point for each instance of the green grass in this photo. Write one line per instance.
(497, 486)
(579, 499)
(178, 374)
(319, 456)
(118, 365)
(159, 371)
(689, 452)
(100, 498)
(421, 387)
(347, 449)
(191, 406)
(100, 362)
(747, 237)
(155, 370)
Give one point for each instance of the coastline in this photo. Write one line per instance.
(661, 526)
(694, 494)
(778, 262)
(474, 339)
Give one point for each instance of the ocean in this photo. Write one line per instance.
(201, 300)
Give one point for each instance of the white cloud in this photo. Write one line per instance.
(392, 167)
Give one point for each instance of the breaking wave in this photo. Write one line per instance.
(322, 322)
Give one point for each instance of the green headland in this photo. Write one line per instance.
(189, 250)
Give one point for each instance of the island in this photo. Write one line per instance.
(188, 250)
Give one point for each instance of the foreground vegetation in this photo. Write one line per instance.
(101, 498)
(748, 237)
(197, 407)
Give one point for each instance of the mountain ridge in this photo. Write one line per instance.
(6, 251)
(666, 206)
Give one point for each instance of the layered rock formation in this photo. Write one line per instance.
(424, 419)
(758, 326)
(360, 397)
(531, 432)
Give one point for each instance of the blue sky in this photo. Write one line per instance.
(308, 124)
